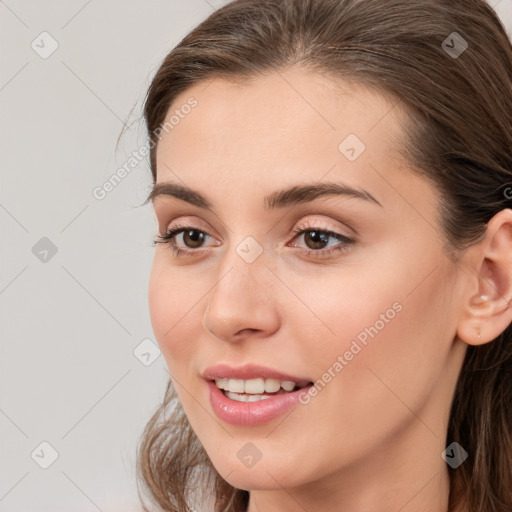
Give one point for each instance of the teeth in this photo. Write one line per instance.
(254, 386)
(272, 385)
(246, 398)
(287, 385)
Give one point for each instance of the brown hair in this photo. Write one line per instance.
(458, 135)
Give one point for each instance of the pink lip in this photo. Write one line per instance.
(250, 413)
(248, 371)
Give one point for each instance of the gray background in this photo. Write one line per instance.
(79, 367)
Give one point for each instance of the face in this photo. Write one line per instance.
(348, 291)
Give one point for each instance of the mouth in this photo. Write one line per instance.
(251, 404)
(257, 389)
(252, 394)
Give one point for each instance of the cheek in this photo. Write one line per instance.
(384, 330)
(174, 309)
(357, 319)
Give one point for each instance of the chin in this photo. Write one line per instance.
(264, 475)
(251, 480)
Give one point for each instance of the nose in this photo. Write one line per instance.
(242, 304)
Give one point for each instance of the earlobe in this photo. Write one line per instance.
(472, 330)
(481, 300)
(485, 320)
(489, 311)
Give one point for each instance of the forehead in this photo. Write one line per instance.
(284, 113)
(284, 128)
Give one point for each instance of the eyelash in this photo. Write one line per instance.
(168, 238)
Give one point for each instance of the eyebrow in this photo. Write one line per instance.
(297, 194)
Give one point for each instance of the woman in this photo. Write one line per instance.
(332, 279)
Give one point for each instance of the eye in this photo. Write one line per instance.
(317, 241)
(191, 237)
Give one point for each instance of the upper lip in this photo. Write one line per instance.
(249, 371)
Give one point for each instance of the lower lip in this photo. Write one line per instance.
(251, 413)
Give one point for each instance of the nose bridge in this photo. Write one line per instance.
(240, 280)
(241, 298)
(243, 269)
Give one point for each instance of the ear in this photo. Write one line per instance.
(487, 310)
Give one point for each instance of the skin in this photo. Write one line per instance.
(373, 436)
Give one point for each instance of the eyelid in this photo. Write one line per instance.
(190, 223)
(310, 223)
